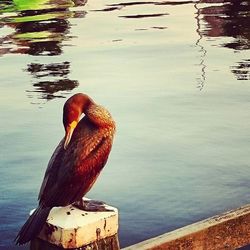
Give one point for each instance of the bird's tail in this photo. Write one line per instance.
(33, 225)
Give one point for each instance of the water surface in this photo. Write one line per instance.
(174, 74)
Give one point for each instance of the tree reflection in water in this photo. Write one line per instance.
(48, 88)
(40, 29)
(42, 26)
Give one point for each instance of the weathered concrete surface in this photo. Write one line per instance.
(70, 227)
(109, 243)
(228, 231)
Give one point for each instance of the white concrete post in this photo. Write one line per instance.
(73, 228)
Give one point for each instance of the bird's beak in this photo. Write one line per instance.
(69, 132)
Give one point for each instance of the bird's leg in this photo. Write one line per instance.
(91, 206)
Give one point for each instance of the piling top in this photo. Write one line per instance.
(71, 227)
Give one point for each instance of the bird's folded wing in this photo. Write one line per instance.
(52, 169)
(61, 185)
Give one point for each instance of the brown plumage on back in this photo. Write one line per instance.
(76, 162)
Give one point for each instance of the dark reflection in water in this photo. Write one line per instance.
(145, 15)
(202, 51)
(242, 70)
(41, 31)
(118, 6)
(42, 38)
(49, 88)
(222, 18)
(230, 19)
(154, 3)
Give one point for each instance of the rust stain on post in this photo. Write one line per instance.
(109, 243)
(227, 231)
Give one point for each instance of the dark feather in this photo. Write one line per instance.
(33, 225)
(71, 172)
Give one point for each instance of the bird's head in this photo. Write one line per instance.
(72, 110)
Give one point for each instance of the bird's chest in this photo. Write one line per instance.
(92, 151)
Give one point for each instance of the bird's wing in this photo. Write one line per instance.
(52, 169)
(71, 186)
(70, 170)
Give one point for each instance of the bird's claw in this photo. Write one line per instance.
(92, 206)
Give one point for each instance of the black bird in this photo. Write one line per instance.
(76, 162)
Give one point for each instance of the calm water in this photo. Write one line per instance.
(174, 74)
